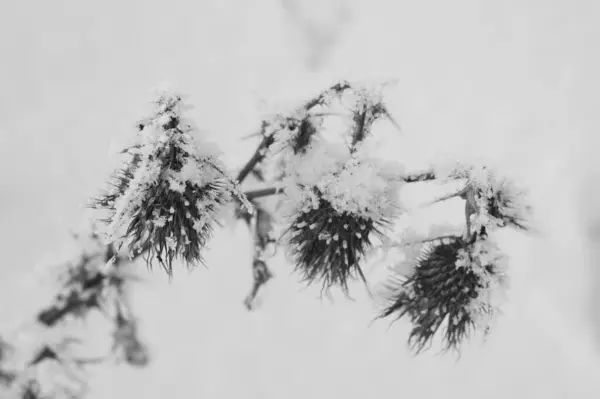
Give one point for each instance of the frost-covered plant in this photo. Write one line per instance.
(336, 216)
(165, 201)
(338, 198)
(452, 282)
(261, 224)
(50, 374)
(6, 376)
(46, 364)
(126, 342)
(492, 196)
(459, 281)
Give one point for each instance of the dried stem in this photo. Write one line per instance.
(360, 120)
(336, 88)
(392, 120)
(461, 193)
(424, 241)
(258, 155)
(267, 141)
(264, 192)
(261, 225)
(470, 209)
(55, 313)
(419, 177)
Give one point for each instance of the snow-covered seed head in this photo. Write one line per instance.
(497, 200)
(167, 172)
(506, 204)
(330, 253)
(438, 290)
(303, 136)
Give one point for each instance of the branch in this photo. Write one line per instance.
(419, 177)
(264, 192)
(470, 209)
(267, 141)
(91, 286)
(44, 353)
(53, 314)
(261, 275)
(392, 120)
(336, 88)
(360, 120)
(462, 193)
(415, 178)
(258, 155)
(262, 226)
(423, 241)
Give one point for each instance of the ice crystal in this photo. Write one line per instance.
(166, 200)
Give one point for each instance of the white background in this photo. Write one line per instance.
(515, 81)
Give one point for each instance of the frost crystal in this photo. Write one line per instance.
(334, 185)
(497, 200)
(489, 264)
(454, 282)
(166, 171)
(352, 183)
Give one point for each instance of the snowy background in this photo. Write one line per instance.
(515, 81)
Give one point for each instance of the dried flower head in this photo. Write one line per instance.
(497, 198)
(328, 245)
(165, 201)
(452, 284)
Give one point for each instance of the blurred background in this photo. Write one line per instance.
(514, 82)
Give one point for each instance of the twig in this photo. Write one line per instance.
(264, 192)
(324, 113)
(90, 360)
(267, 141)
(336, 88)
(45, 353)
(360, 119)
(424, 241)
(419, 177)
(258, 155)
(89, 297)
(261, 275)
(261, 225)
(470, 209)
(52, 315)
(461, 193)
(392, 120)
